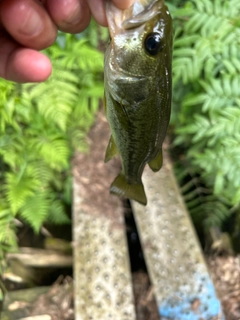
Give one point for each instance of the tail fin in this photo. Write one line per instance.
(122, 188)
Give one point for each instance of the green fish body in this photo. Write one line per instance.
(137, 80)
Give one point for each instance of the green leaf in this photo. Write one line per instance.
(35, 210)
(19, 187)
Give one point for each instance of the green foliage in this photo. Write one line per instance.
(207, 209)
(206, 102)
(41, 125)
(96, 35)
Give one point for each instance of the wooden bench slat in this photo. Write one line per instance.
(177, 269)
(103, 286)
(101, 267)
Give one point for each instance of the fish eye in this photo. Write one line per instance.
(153, 43)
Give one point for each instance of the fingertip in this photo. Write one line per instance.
(122, 4)
(98, 11)
(72, 16)
(27, 65)
(28, 22)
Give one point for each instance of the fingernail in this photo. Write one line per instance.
(75, 17)
(32, 24)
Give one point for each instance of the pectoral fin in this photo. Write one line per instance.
(111, 150)
(122, 188)
(156, 163)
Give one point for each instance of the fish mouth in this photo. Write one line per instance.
(139, 13)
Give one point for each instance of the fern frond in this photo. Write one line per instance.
(19, 186)
(53, 149)
(206, 101)
(35, 209)
(41, 125)
(7, 232)
(57, 213)
(206, 209)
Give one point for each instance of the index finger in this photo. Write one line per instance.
(28, 23)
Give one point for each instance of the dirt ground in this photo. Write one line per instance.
(58, 302)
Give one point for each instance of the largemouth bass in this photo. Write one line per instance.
(137, 80)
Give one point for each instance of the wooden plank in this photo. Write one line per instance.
(40, 258)
(101, 265)
(183, 288)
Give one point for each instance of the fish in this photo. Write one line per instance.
(137, 90)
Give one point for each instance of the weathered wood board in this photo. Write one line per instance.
(102, 276)
(183, 288)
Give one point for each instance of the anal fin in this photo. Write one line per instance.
(111, 150)
(156, 163)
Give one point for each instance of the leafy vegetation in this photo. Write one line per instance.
(206, 106)
(41, 125)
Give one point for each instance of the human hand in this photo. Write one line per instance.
(27, 26)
